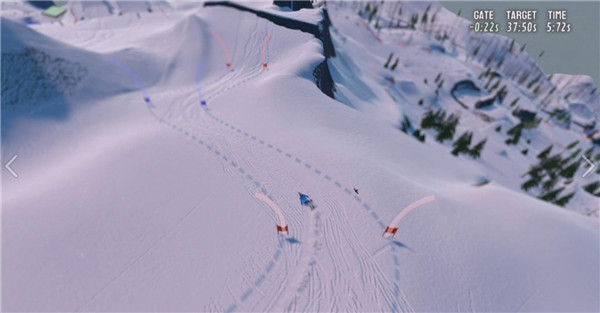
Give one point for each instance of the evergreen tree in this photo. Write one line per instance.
(502, 92)
(570, 170)
(413, 20)
(572, 156)
(475, 152)
(487, 85)
(551, 164)
(428, 120)
(389, 59)
(562, 201)
(534, 81)
(524, 152)
(550, 196)
(544, 154)
(523, 47)
(536, 172)
(549, 183)
(406, 125)
(592, 187)
(440, 119)
(532, 182)
(461, 145)
(535, 178)
(487, 72)
(417, 134)
(515, 132)
(395, 64)
(372, 14)
(447, 129)
(495, 85)
(500, 63)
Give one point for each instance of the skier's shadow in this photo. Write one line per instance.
(292, 240)
(401, 245)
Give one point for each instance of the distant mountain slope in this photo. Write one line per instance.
(42, 77)
(402, 62)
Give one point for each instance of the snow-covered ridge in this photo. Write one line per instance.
(315, 22)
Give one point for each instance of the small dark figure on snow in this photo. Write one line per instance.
(356, 190)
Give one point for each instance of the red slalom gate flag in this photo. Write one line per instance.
(281, 229)
(390, 231)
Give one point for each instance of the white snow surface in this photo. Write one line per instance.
(124, 206)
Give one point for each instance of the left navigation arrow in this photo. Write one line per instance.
(12, 172)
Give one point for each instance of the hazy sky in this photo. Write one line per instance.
(577, 52)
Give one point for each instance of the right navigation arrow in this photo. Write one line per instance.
(592, 166)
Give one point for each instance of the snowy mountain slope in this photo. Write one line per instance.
(154, 208)
(427, 68)
(37, 77)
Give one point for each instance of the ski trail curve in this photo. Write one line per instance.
(273, 205)
(411, 207)
(278, 251)
(224, 47)
(401, 304)
(264, 50)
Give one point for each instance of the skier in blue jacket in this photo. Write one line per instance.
(305, 200)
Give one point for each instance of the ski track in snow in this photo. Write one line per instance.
(401, 304)
(404, 306)
(220, 155)
(307, 280)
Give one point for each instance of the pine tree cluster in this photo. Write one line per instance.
(444, 125)
(461, 145)
(553, 172)
(515, 134)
